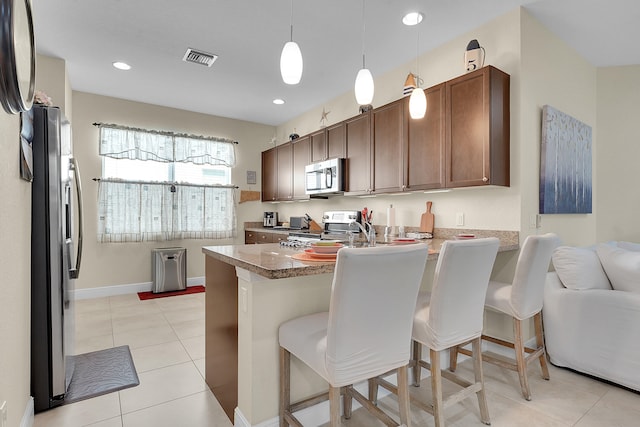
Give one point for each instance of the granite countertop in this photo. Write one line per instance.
(275, 262)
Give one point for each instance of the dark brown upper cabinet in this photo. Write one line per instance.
(359, 155)
(301, 157)
(477, 129)
(424, 154)
(328, 143)
(269, 178)
(389, 140)
(284, 173)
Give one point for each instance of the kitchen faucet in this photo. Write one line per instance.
(371, 235)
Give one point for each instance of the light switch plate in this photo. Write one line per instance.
(460, 219)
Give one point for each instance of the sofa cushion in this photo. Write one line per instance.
(622, 267)
(579, 268)
(629, 246)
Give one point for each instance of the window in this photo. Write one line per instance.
(163, 186)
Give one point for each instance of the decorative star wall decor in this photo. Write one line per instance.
(323, 118)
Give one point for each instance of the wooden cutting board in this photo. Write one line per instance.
(426, 221)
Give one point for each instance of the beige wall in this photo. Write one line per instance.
(52, 78)
(617, 153)
(554, 74)
(15, 270)
(106, 264)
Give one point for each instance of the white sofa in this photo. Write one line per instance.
(591, 325)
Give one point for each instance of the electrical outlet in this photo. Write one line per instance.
(460, 219)
(3, 414)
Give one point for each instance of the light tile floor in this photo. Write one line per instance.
(166, 337)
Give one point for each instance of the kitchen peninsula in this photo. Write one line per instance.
(252, 289)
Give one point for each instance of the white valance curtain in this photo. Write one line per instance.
(135, 212)
(121, 142)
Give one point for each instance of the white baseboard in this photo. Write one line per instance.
(131, 288)
(29, 414)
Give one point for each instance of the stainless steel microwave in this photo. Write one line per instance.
(326, 177)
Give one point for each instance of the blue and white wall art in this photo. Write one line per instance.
(565, 164)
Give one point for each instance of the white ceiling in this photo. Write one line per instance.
(248, 35)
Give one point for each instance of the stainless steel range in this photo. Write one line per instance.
(336, 223)
(336, 226)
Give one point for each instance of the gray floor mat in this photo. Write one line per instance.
(100, 372)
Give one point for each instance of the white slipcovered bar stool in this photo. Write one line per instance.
(522, 300)
(366, 332)
(449, 315)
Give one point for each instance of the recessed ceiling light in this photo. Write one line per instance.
(412, 18)
(278, 101)
(122, 65)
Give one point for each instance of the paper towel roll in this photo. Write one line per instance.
(391, 216)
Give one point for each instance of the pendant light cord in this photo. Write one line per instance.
(291, 20)
(418, 59)
(363, 33)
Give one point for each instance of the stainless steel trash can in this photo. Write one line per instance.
(169, 269)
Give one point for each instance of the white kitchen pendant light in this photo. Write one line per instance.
(364, 87)
(291, 59)
(417, 103)
(418, 100)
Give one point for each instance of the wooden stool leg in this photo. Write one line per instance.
(520, 358)
(285, 392)
(537, 321)
(373, 391)
(436, 388)
(479, 377)
(334, 406)
(347, 401)
(453, 358)
(417, 369)
(403, 395)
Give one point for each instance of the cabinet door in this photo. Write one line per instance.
(358, 132)
(388, 145)
(250, 237)
(269, 178)
(264, 237)
(301, 158)
(284, 161)
(477, 129)
(319, 146)
(336, 141)
(279, 237)
(424, 154)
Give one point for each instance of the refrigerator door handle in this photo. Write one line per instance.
(75, 271)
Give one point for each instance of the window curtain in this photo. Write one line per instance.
(120, 142)
(135, 212)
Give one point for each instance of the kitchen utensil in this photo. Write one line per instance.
(427, 220)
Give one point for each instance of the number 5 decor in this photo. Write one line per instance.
(565, 164)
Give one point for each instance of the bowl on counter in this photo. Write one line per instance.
(326, 247)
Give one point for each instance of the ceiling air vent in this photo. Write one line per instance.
(199, 57)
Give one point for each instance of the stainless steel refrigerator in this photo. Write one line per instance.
(56, 250)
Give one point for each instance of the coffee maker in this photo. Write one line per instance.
(270, 219)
